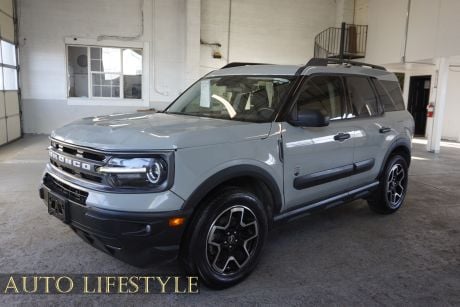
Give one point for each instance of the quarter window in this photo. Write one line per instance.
(323, 93)
(104, 72)
(390, 95)
(362, 97)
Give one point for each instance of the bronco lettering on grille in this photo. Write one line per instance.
(65, 160)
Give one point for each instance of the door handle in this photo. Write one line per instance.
(342, 136)
(384, 129)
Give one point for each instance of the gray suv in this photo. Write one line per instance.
(243, 148)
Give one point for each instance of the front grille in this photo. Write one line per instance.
(62, 156)
(65, 190)
(78, 152)
(78, 174)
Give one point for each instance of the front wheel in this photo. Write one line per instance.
(389, 196)
(228, 237)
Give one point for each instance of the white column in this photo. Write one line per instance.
(434, 139)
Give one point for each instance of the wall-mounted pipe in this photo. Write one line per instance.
(403, 59)
(229, 29)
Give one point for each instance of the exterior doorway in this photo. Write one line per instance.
(419, 96)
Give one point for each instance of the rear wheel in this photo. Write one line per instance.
(228, 236)
(389, 196)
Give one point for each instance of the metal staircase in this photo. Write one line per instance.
(346, 42)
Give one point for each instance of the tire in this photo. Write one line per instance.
(390, 194)
(229, 232)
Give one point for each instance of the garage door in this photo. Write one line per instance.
(10, 121)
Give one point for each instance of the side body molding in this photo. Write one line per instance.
(332, 174)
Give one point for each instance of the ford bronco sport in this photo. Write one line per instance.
(244, 147)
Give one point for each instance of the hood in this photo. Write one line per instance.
(156, 131)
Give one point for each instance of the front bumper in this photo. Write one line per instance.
(136, 238)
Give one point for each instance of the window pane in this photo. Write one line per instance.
(97, 91)
(10, 80)
(132, 62)
(96, 65)
(132, 73)
(96, 79)
(77, 69)
(324, 94)
(8, 53)
(362, 96)
(115, 91)
(106, 59)
(96, 53)
(132, 87)
(106, 85)
(1, 78)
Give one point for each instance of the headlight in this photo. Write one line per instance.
(134, 173)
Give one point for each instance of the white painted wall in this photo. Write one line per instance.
(451, 127)
(264, 31)
(433, 29)
(361, 12)
(432, 33)
(170, 40)
(386, 31)
(268, 31)
(344, 11)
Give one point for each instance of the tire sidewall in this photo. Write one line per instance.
(397, 159)
(198, 242)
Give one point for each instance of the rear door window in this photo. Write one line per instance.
(362, 97)
(323, 93)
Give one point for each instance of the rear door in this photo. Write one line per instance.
(372, 128)
(318, 160)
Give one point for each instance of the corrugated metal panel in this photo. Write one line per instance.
(13, 127)
(7, 7)
(6, 27)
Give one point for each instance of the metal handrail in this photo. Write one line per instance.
(346, 42)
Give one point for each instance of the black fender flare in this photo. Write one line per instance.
(230, 173)
(400, 142)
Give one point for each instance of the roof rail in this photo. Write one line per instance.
(236, 64)
(325, 62)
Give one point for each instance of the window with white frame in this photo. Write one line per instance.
(104, 72)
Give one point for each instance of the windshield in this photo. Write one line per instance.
(241, 98)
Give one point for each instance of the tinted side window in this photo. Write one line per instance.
(323, 93)
(384, 97)
(394, 91)
(362, 97)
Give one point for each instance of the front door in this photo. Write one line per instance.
(318, 160)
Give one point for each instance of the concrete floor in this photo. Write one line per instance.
(344, 256)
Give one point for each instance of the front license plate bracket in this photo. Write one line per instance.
(58, 207)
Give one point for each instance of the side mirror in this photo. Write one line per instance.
(309, 118)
